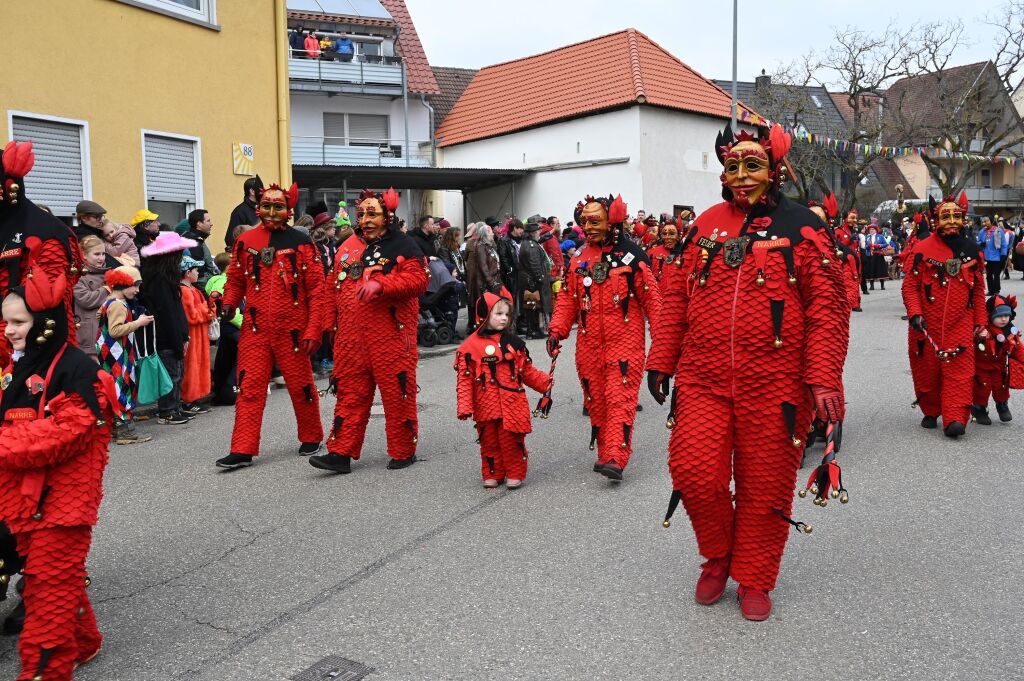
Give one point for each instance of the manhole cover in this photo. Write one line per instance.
(334, 668)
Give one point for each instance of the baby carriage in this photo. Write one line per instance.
(439, 308)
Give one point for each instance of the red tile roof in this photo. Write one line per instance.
(421, 78)
(340, 19)
(453, 82)
(607, 72)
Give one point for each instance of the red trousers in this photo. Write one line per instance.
(502, 454)
(943, 388)
(718, 438)
(990, 382)
(258, 352)
(60, 628)
(612, 404)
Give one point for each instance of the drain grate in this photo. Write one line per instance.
(334, 668)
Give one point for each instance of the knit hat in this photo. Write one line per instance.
(1001, 306)
(122, 277)
(567, 244)
(444, 224)
(144, 216)
(167, 242)
(189, 263)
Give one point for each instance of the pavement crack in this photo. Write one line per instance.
(251, 538)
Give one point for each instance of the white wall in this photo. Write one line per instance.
(678, 161)
(554, 192)
(307, 115)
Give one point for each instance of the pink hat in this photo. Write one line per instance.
(167, 242)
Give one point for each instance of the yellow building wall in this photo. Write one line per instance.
(124, 69)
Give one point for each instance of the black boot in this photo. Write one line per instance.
(308, 448)
(233, 461)
(955, 429)
(336, 463)
(881, 283)
(1003, 409)
(930, 422)
(980, 414)
(396, 464)
(872, 285)
(611, 471)
(15, 620)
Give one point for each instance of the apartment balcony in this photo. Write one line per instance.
(990, 197)
(364, 74)
(328, 151)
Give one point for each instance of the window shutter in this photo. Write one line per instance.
(334, 129)
(367, 129)
(170, 169)
(56, 178)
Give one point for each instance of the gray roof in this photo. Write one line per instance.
(810, 106)
(371, 9)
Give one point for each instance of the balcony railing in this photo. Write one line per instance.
(335, 151)
(365, 71)
(990, 196)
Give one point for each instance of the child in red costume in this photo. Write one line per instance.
(610, 288)
(195, 384)
(944, 292)
(492, 365)
(379, 274)
(663, 252)
(55, 428)
(277, 270)
(992, 360)
(755, 329)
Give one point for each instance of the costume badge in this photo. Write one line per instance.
(953, 266)
(267, 256)
(490, 349)
(356, 270)
(587, 281)
(601, 272)
(735, 251)
(342, 276)
(35, 384)
(628, 258)
(344, 257)
(5, 382)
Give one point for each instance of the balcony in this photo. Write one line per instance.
(991, 197)
(329, 151)
(364, 74)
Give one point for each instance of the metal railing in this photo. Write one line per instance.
(361, 69)
(342, 151)
(989, 196)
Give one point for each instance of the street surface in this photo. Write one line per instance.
(203, 575)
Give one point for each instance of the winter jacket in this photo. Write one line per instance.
(123, 243)
(203, 255)
(995, 244)
(163, 300)
(243, 214)
(344, 46)
(312, 46)
(215, 291)
(425, 242)
(554, 251)
(488, 268)
(534, 271)
(89, 298)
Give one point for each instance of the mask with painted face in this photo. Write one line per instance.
(669, 236)
(375, 212)
(600, 218)
(752, 166)
(275, 206)
(949, 215)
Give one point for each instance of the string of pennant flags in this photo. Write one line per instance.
(893, 152)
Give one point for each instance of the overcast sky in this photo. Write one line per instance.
(476, 34)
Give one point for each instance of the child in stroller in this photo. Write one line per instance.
(439, 307)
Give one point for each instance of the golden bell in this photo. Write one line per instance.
(808, 529)
(37, 516)
(295, 349)
(50, 323)
(670, 423)
(813, 488)
(48, 333)
(777, 343)
(844, 498)
(834, 494)
(802, 494)
(796, 443)
(415, 439)
(40, 340)
(825, 262)
(623, 380)
(759, 281)
(792, 281)
(81, 611)
(625, 320)
(2, 563)
(824, 503)
(666, 523)
(4, 579)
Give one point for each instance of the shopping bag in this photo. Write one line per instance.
(151, 374)
(214, 331)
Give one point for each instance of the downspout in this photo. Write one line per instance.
(405, 108)
(284, 156)
(433, 142)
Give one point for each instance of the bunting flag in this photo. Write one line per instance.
(893, 152)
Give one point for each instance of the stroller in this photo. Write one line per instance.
(439, 308)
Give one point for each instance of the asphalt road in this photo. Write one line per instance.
(256, 574)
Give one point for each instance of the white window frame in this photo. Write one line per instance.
(83, 140)
(206, 15)
(197, 146)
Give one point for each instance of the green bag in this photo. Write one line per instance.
(151, 375)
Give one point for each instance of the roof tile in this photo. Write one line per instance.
(421, 78)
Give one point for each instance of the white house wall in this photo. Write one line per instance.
(307, 114)
(677, 160)
(553, 192)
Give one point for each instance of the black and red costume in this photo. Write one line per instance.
(755, 330)
(56, 418)
(276, 270)
(944, 293)
(611, 291)
(998, 360)
(378, 279)
(492, 368)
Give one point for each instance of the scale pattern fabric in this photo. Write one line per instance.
(60, 627)
(744, 343)
(611, 338)
(660, 256)
(953, 306)
(375, 342)
(199, 312)
(992, 364)
(279, 275)
(502, 453)
(851, 276)
(119, 357)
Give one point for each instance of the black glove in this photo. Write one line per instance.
(227, 313)
(917, 323)
(657, 385)
(553, 346)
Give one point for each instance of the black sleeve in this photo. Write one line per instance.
(164, 303)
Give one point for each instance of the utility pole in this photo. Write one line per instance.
(735, 11)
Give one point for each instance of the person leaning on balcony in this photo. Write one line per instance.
(297, 42)
(312, 44)
(345, 47)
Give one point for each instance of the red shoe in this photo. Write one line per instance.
(755, 605)
(711, 583)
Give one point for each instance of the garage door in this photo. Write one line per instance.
(170, 169)
(56, 179)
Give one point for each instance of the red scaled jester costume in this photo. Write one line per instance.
(55, 428)
(944, 292)
(663, 251)
(379, 274)
(847, 256)
(610, 288)
(276, 270)
(993, 372)
(492, 367)
(755, 329)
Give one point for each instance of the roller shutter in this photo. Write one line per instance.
(170, 169)
(56, 179)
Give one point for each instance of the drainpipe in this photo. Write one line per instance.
(433, 144)
(405, 108)
(284, 157)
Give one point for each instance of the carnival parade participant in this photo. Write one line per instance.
(755, 330)
(492, 365)
(609, 287)
(847, 234)
(662, 252)
(992, 359)
(55, 428)
(379, 274)
(876, 247)
(276, 270)
(944, 293)
(827, 211)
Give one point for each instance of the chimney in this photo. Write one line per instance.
(763, 82)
